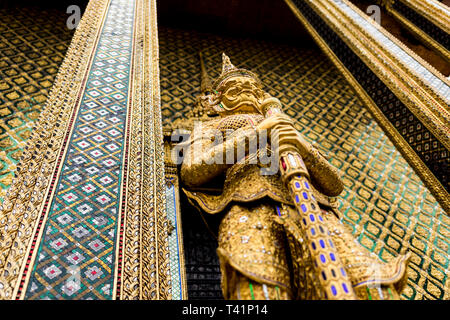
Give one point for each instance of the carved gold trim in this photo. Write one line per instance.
(145, 261)
(154, 157)
(412, 158)
(130, 279)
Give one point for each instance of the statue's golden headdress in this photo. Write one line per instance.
(230, 71)
(207, 103)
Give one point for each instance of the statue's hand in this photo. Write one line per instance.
(282, 133)
(285, 137)
(277, 119)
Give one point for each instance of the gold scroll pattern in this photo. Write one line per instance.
(146, 274)
(154, 149)
(130, 288)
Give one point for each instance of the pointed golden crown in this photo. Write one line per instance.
(230, 71)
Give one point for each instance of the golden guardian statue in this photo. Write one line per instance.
(280, 235)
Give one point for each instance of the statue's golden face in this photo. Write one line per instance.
(241, 94)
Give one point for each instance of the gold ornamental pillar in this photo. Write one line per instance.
(86, 215)
(407, 96)
(428, 20)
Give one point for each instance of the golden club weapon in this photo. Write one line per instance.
(325, 258)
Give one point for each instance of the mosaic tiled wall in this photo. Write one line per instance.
(384, 202)
(33, 43)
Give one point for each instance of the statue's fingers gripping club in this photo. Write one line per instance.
(287, 138)
(275, 120)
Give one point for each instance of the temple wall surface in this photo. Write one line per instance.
(384, 202)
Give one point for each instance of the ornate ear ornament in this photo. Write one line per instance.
(211, 103)
(214, 101)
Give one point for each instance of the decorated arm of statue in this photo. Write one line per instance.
(325, 176)
(206, 158)
(297, 176)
